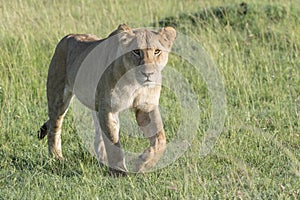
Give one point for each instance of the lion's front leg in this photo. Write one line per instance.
(99, 145)
(152, 126)
(109, 123)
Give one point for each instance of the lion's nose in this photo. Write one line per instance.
(147, 74)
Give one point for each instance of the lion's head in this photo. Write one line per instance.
(144, 53)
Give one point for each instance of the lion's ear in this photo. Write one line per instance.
(124, 32)
(124, 28)
(168, 34)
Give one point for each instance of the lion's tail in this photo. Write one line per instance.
(43, 130)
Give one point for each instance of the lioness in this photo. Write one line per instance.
(128, 75)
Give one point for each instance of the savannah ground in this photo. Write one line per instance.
(257, 53)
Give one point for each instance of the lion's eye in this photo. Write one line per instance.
(157, 52)
(137, 52)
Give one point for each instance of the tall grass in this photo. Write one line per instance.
(257, 154)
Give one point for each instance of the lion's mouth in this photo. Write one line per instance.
(149, 83)
(148, 80)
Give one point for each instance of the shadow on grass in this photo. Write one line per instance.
(227, 15)
(74, 165)
(249, 23)
(238, 16)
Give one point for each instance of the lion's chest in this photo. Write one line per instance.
(143, 98)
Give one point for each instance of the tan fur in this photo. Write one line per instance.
(133, 80)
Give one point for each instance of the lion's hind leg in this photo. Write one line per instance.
(59, 96)
(57, 107)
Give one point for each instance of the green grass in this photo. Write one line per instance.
(258, 55)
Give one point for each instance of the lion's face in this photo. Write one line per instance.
(145, 53)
